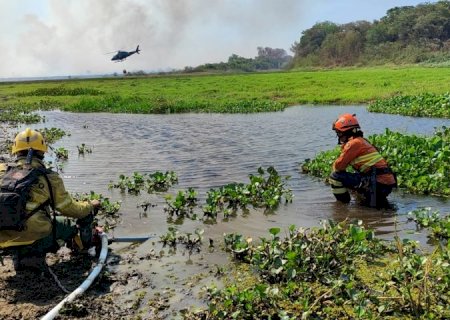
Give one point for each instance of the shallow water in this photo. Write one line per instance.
(210, 150)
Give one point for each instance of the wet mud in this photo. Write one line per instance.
(30, 294)
(145, 281)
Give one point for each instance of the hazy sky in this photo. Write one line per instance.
(71, 37)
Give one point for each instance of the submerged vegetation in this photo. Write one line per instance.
(421, 163)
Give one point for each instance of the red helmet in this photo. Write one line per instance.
(346, 122)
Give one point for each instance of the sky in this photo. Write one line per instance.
(42, 38)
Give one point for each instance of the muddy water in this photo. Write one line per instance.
(210, 150)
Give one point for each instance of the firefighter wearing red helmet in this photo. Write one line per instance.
(372, 177)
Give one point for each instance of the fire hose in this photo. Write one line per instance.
(94, 273)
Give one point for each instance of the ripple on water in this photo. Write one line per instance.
(210, 150)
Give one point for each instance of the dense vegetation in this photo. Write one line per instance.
(404, 35)
(254, 92)
(267, 59)
(423, 105)
(339, 271)
(421, 163)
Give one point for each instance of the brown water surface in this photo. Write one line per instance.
(211, 150)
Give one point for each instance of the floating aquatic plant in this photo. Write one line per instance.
(182, 204)
(338, 271)
(151, 182)
(83, 149)
(61, 153)
(432, 220)
(422, 105)
(190, 241)
(108, 212)
(51, 135)
(266, 190)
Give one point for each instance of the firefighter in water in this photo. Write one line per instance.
(42, 229)
(372, 178)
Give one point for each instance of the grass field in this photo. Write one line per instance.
(224, 93)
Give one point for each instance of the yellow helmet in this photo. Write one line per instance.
(29, 139)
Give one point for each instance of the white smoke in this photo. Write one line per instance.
(74, 35)
(71, 37)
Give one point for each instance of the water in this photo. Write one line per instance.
(210, 150)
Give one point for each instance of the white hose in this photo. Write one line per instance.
(86, 284)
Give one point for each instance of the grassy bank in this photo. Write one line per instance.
(224, 93)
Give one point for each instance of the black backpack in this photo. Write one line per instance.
(14, 194)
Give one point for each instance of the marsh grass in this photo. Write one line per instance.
(243, 93)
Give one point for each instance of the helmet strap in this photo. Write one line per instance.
(29, 156)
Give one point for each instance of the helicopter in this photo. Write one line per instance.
(122, 55)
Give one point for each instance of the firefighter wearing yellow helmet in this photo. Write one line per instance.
(29, 139)
(29, 229)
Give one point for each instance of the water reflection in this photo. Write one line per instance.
(210, 150)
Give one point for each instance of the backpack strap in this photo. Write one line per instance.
(52, 205)
(44, 172)
(40, 207)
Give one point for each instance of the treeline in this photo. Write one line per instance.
(409, 34)
(267, 59)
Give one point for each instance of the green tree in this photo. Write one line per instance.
(312, 39)
(407, 34)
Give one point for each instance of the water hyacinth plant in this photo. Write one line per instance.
(423, 105)
(318, 254)
(438, 225)
(51, 135)
(151, 182)
(61, 153)
(190, 241)
(108, 212)
(16, 116)
(145, 206)
(83, 149)
(265, 190)
(182, 204)
(421, 163)
(337, 271)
